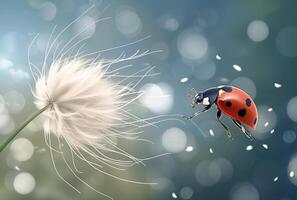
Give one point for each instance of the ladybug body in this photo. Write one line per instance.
(233, 102)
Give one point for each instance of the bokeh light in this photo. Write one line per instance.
(205, 71)
(289, 136)
(21, 149)
(18, 74)
(292, 109)
(174, 140)
(258, 30)
(15, 101)
(157, 97)
(4, 120)
(5, 63)
(128, 22)
(85, 27)
(226, 168)
(286, 41)
(207, 17)
(168, 22)
(292, 169)
(208, 173)
(24, 183)
(244, 191)
(186, 193)
(7, 125)
(48, 11)
(192, 45)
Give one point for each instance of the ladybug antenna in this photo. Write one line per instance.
(192, 93)
(193, 89)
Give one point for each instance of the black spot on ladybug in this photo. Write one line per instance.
(227, 88)
(255, 121)
(242, 112)
(228, 103)
(248, 102)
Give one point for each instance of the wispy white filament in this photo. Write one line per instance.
(90, 103)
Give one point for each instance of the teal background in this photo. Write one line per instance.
(230, 172)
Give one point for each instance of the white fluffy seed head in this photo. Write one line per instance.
(83, 102)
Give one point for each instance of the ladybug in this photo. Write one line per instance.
(233, 102)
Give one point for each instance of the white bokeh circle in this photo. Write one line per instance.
(244, 191)
(257, 31)
(292, 109)
(24, 183)
(192, 45)
(15, 101)
(174, 140)
(22, 149)
(128, 22)
(158, 98)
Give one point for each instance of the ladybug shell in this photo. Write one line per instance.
(238, 105)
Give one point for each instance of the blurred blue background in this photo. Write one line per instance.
(248, 44)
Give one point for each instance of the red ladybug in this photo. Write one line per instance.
(233, 102)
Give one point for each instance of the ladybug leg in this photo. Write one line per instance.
(237, 124)
(219, 113)
(247, 134)
(206, 108)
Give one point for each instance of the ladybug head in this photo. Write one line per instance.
(197, 99)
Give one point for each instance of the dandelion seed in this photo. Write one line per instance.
(210, 150)
(291, 174)
(183, 80)
(189, 148)
(174, 195)
(211, 132)
(266, 124)
(272, 131)
(218, 57)
(237, 68)
(277, 85)
(265, 146)
(275, 179)
(270, 109)
(249, 148)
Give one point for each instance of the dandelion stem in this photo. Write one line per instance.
(21, 127)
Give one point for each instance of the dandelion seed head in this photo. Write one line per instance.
(83, 102)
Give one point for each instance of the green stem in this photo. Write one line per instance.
(23, 125)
